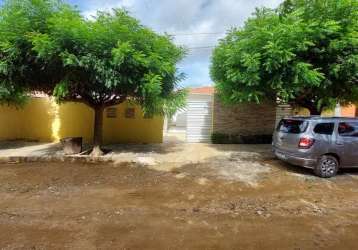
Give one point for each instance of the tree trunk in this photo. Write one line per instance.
(311, 106)
(98, 132)
(314, 111)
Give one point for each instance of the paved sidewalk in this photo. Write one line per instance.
(149, 154)
(28, 149)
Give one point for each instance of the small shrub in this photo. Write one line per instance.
(257, 139)
(220, 138)
(236, 139)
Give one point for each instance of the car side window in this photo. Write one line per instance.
(348, 129)
(324, 128)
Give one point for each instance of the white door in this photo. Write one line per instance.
(199, 118)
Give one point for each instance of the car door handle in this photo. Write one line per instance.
(339, 143)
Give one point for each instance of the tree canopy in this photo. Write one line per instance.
(21, 70)
(47, 45)
(303, 53)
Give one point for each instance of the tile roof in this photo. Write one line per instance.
(38, 94)
(208, 90)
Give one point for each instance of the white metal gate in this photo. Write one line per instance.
(199, 118)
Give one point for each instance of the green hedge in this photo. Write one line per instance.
(219, 138)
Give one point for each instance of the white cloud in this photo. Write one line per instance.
(187, 17)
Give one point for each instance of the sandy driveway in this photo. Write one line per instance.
(235, 200)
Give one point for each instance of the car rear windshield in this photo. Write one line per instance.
(292, 126)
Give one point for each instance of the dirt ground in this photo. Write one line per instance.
(239, 201)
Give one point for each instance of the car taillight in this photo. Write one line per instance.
(306, 143)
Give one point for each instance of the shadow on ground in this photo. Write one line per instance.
(276, 163)
(16, 144)
(258, 148)
(164, 148)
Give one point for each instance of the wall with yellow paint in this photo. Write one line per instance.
(43, 120)
(137, 129)
(74, 120)
(346, 111)
(305, 112)
(10, 123)
(37, 118)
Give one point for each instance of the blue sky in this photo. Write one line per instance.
(197, 24)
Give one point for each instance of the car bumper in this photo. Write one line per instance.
(295, 160)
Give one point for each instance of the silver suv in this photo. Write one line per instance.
(323, 144)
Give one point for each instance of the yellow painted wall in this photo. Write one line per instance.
(74, 120)
(346, 111)
(305, 112)
(134, 130)
(36, 119)
(10, 123)
(43, 120)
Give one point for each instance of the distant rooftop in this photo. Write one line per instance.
(208, 90)
(38, 94)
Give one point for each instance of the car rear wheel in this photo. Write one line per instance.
(327, 166)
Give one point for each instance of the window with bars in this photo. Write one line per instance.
(130, 113)
(111, 113)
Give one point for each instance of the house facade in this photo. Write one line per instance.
(206, 115)
(41, 119)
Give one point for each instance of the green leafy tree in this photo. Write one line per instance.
(21, 69)
(303, 53)
(48, 46)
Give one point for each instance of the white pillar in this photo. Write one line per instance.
(338, 111)
(165, 125)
